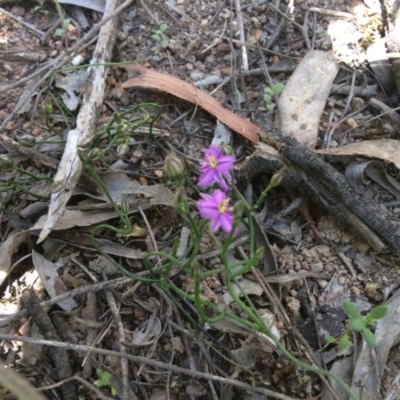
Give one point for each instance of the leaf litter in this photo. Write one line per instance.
(301, 264)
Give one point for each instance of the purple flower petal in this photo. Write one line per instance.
(215, 208)
(216, 168)
(226, 220)
(207, 178)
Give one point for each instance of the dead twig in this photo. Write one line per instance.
(60, 356)
(153, 363)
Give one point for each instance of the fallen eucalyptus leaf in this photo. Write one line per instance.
(51, 281)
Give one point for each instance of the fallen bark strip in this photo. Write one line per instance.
(309, 174)
(71, 166)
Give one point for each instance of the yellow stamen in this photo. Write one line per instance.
(223, 206)
(212, 161)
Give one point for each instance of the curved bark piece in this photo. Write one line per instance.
(147, 78)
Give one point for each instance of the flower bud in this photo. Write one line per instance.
(228, 151)
(174, 167)
(124, 130)
(96, 154)
(122, 149)
(277, 178)
(47, 109)
(6, 163)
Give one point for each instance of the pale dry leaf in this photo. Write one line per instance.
(51, 281)
(387, 150)
(120, 186)
(375, 171)
(304, 97)
(72, 218)
(8, 248)
(149, 334)
(96, 5)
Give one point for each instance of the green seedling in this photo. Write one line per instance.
(62, 31)
(104, 380)
(358, 323)
(269, 93)
(159, 36)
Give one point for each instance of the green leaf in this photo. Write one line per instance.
(357, 324)
(267, 98)
(156, 37)
(330, 339)
(165, 43)
(268, 90)
(106, 378)
(99, 383)
(59, 32)
(350, 309)
(163, 28)
(278, 87)
(369, 337)
(378, 312)
(270, 106)
(344, 342)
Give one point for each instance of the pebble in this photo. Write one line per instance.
(305, 266)
(342, 280)
(36, 132)
(356, 290)
(26, 126)
(318, 267)
(329, 268)
(322, 284)
(53, 54)
(18, 11)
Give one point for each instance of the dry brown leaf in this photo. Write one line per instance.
(146, 78)
(387, 150)
(304, 97)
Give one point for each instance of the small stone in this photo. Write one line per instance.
(26, 126)
(356, 290)
(342, 280)
(329, 268)
(18, 11)
(318, 267)
(322, 284)
(305, 266)
(53, 54)
(36, 132)
(143, 181)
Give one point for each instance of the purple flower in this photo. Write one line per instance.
(215, 167)
(215, 208)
